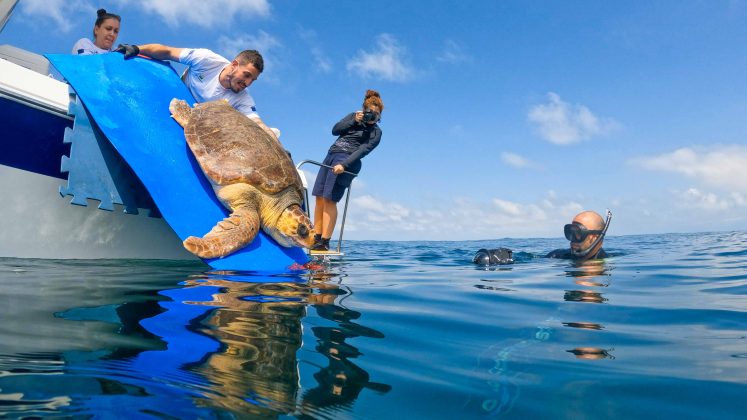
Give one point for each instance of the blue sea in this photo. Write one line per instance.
(391, 330)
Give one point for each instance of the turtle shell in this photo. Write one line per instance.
(232, 148)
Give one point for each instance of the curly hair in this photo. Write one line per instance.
(373, 99)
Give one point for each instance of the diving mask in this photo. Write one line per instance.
(576, 232)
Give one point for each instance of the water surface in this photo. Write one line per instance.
(394, 329)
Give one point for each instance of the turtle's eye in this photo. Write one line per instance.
(302, 231)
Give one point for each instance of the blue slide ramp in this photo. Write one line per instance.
(129, 102)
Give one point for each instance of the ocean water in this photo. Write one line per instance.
(392, 330)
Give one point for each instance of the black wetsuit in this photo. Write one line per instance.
(356, 139)
(566, 254)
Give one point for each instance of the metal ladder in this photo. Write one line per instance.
(337, 252)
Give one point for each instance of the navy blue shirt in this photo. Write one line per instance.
(355, 138)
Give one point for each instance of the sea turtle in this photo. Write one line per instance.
(252, 175)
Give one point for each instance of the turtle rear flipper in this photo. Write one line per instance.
(230, 234)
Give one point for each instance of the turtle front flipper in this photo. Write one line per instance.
(180, 111)
(230, 234)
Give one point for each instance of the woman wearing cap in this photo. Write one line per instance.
(105, 33)
(358, 134)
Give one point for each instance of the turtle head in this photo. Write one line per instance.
(293, 228)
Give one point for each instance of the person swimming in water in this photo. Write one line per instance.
(586, 235)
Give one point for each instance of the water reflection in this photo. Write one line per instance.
(584, 325)
(592, 274)
(339, 382)
(591, 353)
(586, 296)
(256, 327)
(219, 344)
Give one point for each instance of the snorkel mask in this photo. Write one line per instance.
(577, 233)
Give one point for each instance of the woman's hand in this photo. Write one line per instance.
(358, 116)
(338, 169)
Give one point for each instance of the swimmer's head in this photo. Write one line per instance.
(586, 234)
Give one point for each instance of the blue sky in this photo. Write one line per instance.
(502, 119)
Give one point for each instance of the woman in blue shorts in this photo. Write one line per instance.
(358, 134)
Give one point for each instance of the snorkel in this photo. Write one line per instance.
(582, 254)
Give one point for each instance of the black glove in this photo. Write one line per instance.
(128, 50)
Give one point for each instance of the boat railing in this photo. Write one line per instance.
(306, 200)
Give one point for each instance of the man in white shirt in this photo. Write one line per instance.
(210, 76)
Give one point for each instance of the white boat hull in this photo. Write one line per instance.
(36, 222)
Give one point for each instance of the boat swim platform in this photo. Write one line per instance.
(330, 253)
(127, 101)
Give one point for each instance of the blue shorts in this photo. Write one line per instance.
(331, 186)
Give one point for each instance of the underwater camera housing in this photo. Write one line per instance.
(498, 256)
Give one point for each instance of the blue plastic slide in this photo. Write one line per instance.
(129, 101)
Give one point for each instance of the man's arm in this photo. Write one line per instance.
(160, 52)
(157, 51)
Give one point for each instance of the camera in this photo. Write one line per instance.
(499, 256)
(370, 116)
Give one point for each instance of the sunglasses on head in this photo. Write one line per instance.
(576, 232)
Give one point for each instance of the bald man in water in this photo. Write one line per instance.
(586, 234)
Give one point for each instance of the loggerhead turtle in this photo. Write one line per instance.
(251, 174)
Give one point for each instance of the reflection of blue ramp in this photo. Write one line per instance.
(129, 101)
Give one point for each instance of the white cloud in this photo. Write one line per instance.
(323, 63)
(517, 161)
(463, 219)
(453, 53)
(59, 11)
(511, 211)
(562, 123)
(739, 199)
(695, 198)
(387, 61)
(377, 211)
(267, 45)
(174, 12)
(205, 13)
(724, 167)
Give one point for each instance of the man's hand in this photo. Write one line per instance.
(338, 169)
(128, 50)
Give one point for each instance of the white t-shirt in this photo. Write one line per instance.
(84, 46)
(202, 80)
